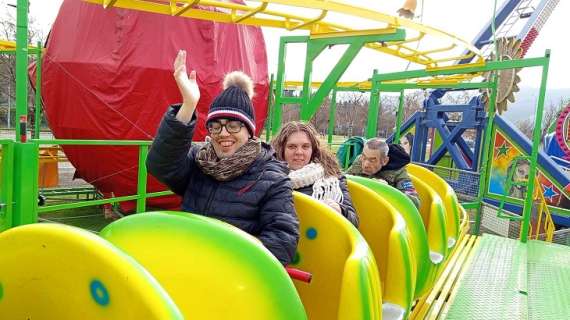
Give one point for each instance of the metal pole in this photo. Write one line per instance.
(9, 103)
(534, 153)
(373, 108)
(38, 98)
(399, 118)
(142, 179)
(21, 63)
(487, 154)
(270, 104)
(332, 114)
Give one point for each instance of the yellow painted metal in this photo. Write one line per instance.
(364, 85)
(324, 35)
(346, 283)
(263, 15)
(11, 45)
(52, 271)
(435, 301)
(546, 226)
(385, 231)
(462, 273)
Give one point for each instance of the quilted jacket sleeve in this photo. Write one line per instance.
(169, 158)
(279, 226)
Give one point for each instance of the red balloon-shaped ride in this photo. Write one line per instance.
(107, 74)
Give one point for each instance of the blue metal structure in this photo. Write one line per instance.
(436, 116)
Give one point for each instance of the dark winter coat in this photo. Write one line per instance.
(259, 202)
(346, 207)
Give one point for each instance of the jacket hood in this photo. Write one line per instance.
(399, 158)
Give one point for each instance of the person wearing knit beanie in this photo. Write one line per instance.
(233, 177)
(235, 101)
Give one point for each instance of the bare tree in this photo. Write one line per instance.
(8, 69)
(551, 114)
(526, 126)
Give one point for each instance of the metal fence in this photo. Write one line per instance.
(465, 183)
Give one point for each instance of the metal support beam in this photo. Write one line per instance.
(21, 63)
(26, 168)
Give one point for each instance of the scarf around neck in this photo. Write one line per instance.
(228, 168)
(323, 187)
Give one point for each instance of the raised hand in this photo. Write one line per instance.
(188, 87)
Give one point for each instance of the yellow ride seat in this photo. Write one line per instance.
(52, 271)
(433, 215)
(345, 283)
(448, 196)
(211, 269)
(385, 231)
(416, 231)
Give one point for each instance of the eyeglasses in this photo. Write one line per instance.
(234, 126)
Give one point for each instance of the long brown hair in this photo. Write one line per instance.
(319, 155)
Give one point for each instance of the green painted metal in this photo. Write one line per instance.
(512, 280)
(270, 104)
(93, 142)
(26, 168)
(280, 81)
(373, 109)
(314, 49)
(38, 98)
(85, 203)
(399, 117)
(21, 62)
(397, 87)
(159, 194)
(508, 186)
(489, 66)
(142, 179)
(141, 195)
(316, 46)
(494, 286)
(6, 184)
(486, 159)
(471, 205)
(534, 153)
(548, 280)
(332, 115)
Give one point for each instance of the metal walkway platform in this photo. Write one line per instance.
(511, 280)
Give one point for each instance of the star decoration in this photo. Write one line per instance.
(503, 150)
(549, 192)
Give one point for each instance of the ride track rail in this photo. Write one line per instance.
(274, 14)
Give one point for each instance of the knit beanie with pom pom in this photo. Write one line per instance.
(235, 101)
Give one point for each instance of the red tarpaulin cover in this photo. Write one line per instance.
(107, 74)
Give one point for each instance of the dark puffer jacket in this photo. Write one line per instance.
(259, 202)
(346, 207)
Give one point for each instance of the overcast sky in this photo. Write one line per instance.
(464, 18)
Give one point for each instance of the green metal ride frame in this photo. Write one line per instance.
(486, 159)
(309, 102)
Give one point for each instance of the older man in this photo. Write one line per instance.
(385, 162)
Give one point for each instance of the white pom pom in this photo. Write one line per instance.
(241, 80)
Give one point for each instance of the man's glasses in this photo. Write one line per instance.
(215, 127)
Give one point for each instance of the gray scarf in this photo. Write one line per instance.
(228, 168)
